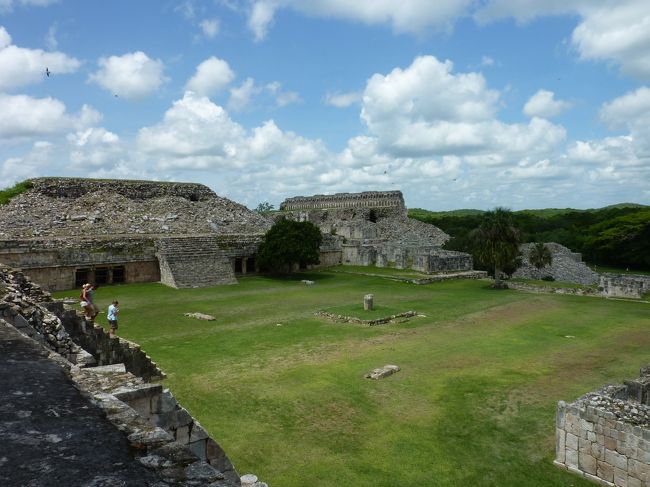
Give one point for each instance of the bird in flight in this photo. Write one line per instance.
(47, 72)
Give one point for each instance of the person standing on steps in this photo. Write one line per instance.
(92, 308)
(113, 311)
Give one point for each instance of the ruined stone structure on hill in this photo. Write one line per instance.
(604, 436)
(566, 266)
(65, 232)
(372, 228)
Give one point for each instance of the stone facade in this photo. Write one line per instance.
(566, 266)
(67, 231)
(604, 436)
(368, 199)
(624, 285)
(372, 228)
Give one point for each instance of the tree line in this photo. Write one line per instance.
(616, 236)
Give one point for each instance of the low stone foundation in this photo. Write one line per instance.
(604, 436)
(353, 319)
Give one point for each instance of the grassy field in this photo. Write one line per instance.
(474, 404)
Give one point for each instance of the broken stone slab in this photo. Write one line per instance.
(382, 372)
(248, 479)
(108, 369)
(307, 282)
(200, 316)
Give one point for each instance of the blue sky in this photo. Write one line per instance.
(459, 104)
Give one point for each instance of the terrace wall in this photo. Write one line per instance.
(604, 436)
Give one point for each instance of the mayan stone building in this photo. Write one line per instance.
(64, 232)
(372, 228)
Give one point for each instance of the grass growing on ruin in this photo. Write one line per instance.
(8, 193)
(474, 404)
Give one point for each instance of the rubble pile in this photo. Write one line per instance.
(106, 212)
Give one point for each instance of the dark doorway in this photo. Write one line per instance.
(118, 274)
(238, 266)
(101, 275)
(250, 265)
(372, 216)
(81, 277)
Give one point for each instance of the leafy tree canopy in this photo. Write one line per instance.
(264, 207)
(496, 242)
(289, 243)
(540, 256)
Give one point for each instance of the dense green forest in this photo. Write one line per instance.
(616, 235)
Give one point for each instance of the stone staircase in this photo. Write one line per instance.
(195, 261)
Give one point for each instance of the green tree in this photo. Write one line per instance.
(496, 242)
(288, 243)
(264, 207)
(540, 256)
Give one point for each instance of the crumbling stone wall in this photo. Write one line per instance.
(624, 285)
(604, 436)
(566, 266)
(164, 436)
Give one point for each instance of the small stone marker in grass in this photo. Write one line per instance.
(382, 372)
(368, 302)
(200, 316)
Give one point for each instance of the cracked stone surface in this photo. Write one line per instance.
(49, 433)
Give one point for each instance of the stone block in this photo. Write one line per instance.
(632, 482)
(610, 443)
(620, 477)
(560, 415)
(182, 434)
(199, 449)
(584, 445)
(571, 458)
(197, 432)
(639, 470)
(598, 451)
(605, 471)
(560, 445)
(587, 463)
(571, 441)
(616, 459)
(586, 425)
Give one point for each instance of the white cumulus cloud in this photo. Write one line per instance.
(543, 104)
(415, 16)
(132, 76)
(25, 117)
(211, 76)
(20, 66)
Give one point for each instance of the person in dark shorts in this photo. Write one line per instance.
(113, 311)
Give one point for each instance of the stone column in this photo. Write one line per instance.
(368, 301)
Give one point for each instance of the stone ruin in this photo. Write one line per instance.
(372, 228)
(604, 436)
(66, 231)
(117, 376)
(566, 266)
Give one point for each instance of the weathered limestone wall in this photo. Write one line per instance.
(368, 199)
(624, 285)
(604, 436)
(54, 262)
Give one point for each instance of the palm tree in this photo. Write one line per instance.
(540, 256)
(496, 242)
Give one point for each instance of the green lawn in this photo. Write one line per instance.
(474, 404)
